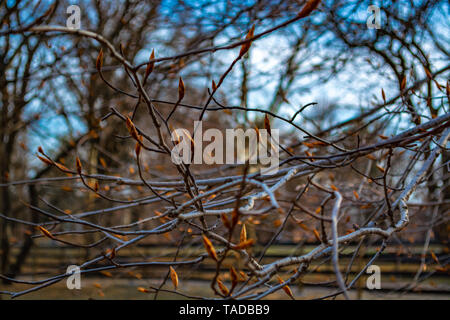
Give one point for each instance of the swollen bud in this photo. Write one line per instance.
(137, 149)
(132, 129)
(180, 89)
(150, 65)
(246, 46)
(78, 161)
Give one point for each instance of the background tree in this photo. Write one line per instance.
(363, 115)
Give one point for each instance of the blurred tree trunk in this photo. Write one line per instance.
(441, 231)
(14, 270)
(5, 155)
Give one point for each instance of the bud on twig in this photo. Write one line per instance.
(180, 89)
(308, 8)
(209, 248)
(99, 62)
(246, 46)
(78, 162)
(174, 277)
(267, 124)
(150, 65)
(132, 129)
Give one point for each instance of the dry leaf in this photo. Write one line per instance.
(233, 276)
(223, 288)
(97, 285)
(174, 277)
(303, 226)
(132, 129)
(45, 232)
(106, 273)
(434, 257)
(316, 234)
(102, 162)
(243, 235)
(243, 275)
(246, 46)
(285, 287)
(245, 244)
(209, 248)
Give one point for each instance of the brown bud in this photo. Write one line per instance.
(209, 248)
(223, 288)
(403, 83)
(428, 73)
(234, 276)
(225, 221)
(99, 62)
(45, 160)
(234, 217)
(78, 161)
(150, 65)
(173, 277)
(180, 89)
(132, 129)
(267, 124)
(243, 235)
(137, 149)
(246, 46)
